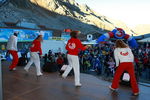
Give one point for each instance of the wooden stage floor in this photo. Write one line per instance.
(18, 85)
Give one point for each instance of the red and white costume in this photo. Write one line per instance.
(12, 49)
(35, 50)
(124, 60)
(73, 47)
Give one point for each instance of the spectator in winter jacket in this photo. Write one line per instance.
(60, 62)
(111, 64)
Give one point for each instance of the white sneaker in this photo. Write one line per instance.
(112, 88)
(27, 70)
(39, 74)
(135, 94)
(78, 85)
(14, 69)
(63, 76)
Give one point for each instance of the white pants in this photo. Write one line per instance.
(34, 58)
(73, 63)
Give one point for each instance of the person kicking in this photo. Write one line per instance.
(35, 53)
(73, 47)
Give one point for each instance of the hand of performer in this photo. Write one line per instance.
(116, 68)
(88, 46)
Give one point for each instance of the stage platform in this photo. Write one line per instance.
(18, 85)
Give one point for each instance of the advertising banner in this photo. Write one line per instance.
(65, 36)
(25, 35)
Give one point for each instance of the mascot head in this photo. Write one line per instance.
(119, 33)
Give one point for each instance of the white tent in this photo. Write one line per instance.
(145, 40)
(89, 42)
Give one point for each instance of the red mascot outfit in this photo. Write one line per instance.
(126, 58)
(12, 49)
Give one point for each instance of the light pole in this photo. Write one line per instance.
(1, 88)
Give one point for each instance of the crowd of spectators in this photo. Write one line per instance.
(100, 60)
(142, 60)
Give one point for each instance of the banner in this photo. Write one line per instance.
(25, 35)
(57, 38)
(65, 36)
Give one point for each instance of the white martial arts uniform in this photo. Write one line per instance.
(36, 60)
(73, 63)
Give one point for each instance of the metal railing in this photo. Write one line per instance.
(1, 88)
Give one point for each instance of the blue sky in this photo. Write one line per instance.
(132, 12)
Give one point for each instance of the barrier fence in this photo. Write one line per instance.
(1, 89)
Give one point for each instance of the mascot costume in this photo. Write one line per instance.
(118, 33)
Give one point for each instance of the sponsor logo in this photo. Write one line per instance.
(124, 54)
(72, 45)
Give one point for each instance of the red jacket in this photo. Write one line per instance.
(74, 46)
(136, 60)
(36, 47)
(145, 60)
(60, 61)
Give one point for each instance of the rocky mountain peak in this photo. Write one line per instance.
(60, 14)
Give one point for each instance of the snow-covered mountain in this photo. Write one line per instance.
(59, 14)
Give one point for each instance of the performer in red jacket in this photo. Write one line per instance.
(35, 51)
(73, 47)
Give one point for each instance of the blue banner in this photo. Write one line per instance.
(65, 36)
(24, 34)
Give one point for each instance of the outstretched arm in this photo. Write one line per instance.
(81, 46)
